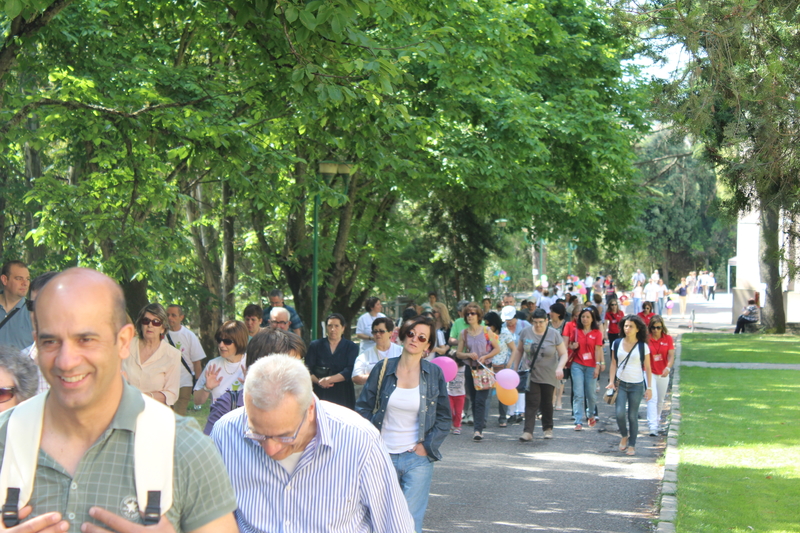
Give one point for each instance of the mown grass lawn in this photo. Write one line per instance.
(740, 451)
(728, 348)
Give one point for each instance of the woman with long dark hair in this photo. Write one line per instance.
(585, 340)
(629, 355)
(406, 399)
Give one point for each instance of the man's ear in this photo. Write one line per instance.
(124, 338)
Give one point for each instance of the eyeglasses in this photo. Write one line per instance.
(286, 440)
(278, 322)
(420, 336)
(378, 331)
(223, 340)
(7, 393)
(29, 305)
(147, 321)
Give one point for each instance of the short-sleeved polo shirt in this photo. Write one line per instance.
(105, 475)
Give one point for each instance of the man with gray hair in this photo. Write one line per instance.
(276, 300)
(279, 318)
(300, 463)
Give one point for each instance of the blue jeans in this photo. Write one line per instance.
(629, 396)
(660, 306)
(583, 384)
(414, 473)
(479, 400)
(637, 306)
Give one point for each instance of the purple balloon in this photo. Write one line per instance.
(448, 366)
(507, 379)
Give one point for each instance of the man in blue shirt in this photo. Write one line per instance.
(276, 300)
(301, 464)
(17, 328)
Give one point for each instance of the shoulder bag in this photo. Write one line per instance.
(525, 375)
(8, 316)
(483, 378)
(378, 391)
(185, 364)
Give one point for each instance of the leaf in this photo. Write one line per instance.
(363, 8)
(291, 14)
(308, 19)
(13, 8)
(336, 24)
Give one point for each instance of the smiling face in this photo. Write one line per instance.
(80, 348)
(586, 319)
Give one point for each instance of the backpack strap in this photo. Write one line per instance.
(20, 457)
(153, 457)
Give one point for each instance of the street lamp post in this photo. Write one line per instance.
(572, 247)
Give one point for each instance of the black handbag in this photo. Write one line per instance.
(321, 371)
(525, 375)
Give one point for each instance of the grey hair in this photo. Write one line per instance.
(462, 304)
(279, 310)
(271, 379)
(276, 292)
(23, 371)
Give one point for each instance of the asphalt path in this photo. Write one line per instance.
(577, 481)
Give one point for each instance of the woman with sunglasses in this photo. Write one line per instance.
(662, 359)
(225, 372)
(330, 361)
(477, 345)
(629, 356)
(406, 399)
(384, 349)
(647, 313)
(153, 366)
(19, 378)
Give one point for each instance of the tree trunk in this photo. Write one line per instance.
(135, 295)
(228, 270)
(774, 316)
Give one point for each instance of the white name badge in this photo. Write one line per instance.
(587, 356)
(657, 357)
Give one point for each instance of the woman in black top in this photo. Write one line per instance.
(331, 361)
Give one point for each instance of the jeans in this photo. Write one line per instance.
(660, 306)
(629, 396)
(539, 395)
(656, 403)
(583, 384)
(478, 399)
(414, 473)
(637, 306)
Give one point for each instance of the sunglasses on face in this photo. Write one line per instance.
(7, 393)
(147, 321)
(223, 340)
(378, 331)
(472, 313)
(656, 327)
(421, 337)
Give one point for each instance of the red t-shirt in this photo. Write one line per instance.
(659, 350)
(646, 318)
(584, 355)
(613, 320)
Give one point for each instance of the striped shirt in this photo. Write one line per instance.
(344, 481)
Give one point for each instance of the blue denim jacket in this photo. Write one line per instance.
(434, 405)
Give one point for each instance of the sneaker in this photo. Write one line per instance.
(477, 436)
(526, 437)
(548, 433)
(456, 431)
(592, 422)
(578, 427)
(468, 421)
(653, 433)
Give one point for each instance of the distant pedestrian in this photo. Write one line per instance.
(661, 295)
(638, 294)
(628, 356)
(712, 286)
(683, 293)
(613, 319)
(610, 288)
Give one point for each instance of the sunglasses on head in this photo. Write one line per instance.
(147, 321)
(224, 340)
(421, 337)
(7, 393)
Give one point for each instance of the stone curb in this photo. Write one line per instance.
(669, 483)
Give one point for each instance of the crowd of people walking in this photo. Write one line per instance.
(277, 402)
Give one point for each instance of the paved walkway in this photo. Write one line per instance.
(742, 366)
(576, 482)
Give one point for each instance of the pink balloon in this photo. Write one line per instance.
(507, 379)
(582, 291)
(448, 366)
